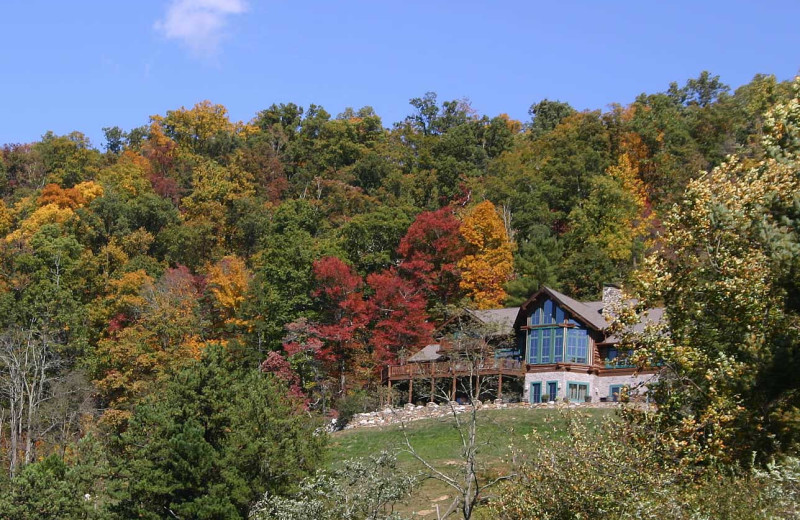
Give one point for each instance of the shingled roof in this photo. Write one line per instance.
(503, 319)
(427, 354)
(590, 313)
(506, 319)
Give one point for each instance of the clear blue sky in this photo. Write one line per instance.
(85, 64)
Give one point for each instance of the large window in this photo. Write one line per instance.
(554, 338)
(577, 391)
(577, 346)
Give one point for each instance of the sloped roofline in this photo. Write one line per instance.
(573, 306)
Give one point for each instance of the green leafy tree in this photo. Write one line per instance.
(47, 489)
(370, 240)
(546, 115)
(727, 278)
(210, 443)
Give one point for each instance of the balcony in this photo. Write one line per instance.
(506, 366)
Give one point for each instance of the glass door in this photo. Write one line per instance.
(552, 390)
(536, 393)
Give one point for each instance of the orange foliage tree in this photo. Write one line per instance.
(489, 262)
(155, 329)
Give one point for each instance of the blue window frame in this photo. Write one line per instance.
(552, 390)
(617, 392)
(577, 346)
(558, 351)
(555, 337)
(546, 345)
(536, 317)
(533, 349)
(577, 392)
(548, 313)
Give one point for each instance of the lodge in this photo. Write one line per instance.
(553, 347)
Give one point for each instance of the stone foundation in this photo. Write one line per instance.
(599, 386)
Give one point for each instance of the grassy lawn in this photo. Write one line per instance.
(438, 442)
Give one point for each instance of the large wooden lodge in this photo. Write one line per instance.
(553, 346)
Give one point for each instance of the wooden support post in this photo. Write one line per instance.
(500, 386)
(389, 395)
(410, 389)
(433, 383)
(453, 390)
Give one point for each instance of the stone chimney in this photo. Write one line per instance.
(612, 297)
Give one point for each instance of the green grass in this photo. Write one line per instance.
(438, 442)
(438, 439)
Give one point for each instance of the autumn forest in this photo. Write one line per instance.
(167, 293)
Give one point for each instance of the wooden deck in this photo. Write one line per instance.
(438, 369)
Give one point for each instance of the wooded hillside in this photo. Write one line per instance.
(146, 286)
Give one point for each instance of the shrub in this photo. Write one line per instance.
(611, 474)
(357, 401)
(360, 489)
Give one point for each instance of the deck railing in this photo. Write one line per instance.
(448, 368)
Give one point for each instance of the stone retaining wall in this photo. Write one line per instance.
(410, 412)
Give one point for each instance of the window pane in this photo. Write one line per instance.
(578, 391)
(534, 346)
(577, 346)
(546, 345)
(558, 347)
(583, 347)
(548, 312)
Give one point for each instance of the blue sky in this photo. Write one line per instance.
(82, 65)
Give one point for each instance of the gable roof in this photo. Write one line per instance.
(590, 313)
(428, 353)
(502, 319)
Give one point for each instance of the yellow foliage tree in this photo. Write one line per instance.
(89, 191)
(192, 128)
(6, 220)
(632, 222)
(489, 262)
(228, 282)
(130, 174)
(47, 214)
(56, 206)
